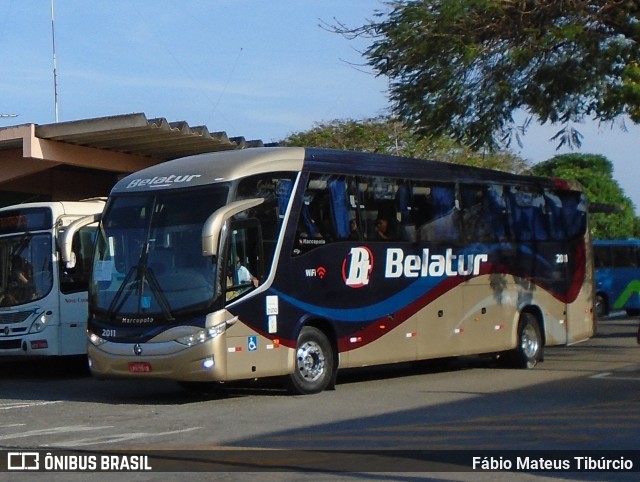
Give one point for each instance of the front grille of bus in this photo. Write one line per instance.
(16, 317)
(9, 344)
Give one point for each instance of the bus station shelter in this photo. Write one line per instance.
(85, 158)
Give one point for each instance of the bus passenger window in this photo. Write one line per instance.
(407, 228)
(574, 212)
(275, 188)
(475, 215)
(327, 213)
(378, 208)
(527, 215)
(555, 222)
(444, 224)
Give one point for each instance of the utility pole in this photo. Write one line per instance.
(55, 73)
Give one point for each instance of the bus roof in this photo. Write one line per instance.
(366, 163)
(204, 169)
(208, 168)
(61, 208)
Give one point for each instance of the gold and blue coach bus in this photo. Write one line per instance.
(294, 261)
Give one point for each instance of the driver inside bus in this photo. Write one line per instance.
(244, 275)
(21, 287)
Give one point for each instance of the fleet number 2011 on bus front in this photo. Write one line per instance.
(291, 261)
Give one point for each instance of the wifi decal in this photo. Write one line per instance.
(357, 267)
(319, 272)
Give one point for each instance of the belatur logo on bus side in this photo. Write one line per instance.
(358, 265)
(162, 181)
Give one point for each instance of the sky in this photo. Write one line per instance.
(252, 68)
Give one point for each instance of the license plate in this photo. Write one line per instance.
(139, 367)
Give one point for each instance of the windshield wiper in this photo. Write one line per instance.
(158, 293)
(143, 273)
(116, 297)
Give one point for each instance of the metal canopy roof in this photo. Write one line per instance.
(137, 135)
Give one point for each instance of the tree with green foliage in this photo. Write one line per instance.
(462, 68)
(388, 136)
(595, 173)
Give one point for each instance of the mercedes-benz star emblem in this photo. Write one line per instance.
(137, 349)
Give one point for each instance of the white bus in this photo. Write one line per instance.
(43, 298)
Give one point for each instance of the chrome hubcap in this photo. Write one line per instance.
(310, 361)
(530, 342)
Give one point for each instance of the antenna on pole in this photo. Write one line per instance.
(55, 73)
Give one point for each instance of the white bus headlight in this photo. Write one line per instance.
(39, 324)
(203, 335)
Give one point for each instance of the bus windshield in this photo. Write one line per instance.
(148, 258)
(26, 268)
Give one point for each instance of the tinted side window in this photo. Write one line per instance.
(527, 220)
(276, 189)
(328, 212)
(77, 278)
(437, 212)
(484, 213)
(624, 257)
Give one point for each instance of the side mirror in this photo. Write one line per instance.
(66, 241)
(214, 223)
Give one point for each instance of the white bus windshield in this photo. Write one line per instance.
(148, 257)
(26, 273)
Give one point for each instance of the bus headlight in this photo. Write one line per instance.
(40, 323)
(95, 340)
(203, 335)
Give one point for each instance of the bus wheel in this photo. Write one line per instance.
(528, 351)
(602, 308)
(314, 363)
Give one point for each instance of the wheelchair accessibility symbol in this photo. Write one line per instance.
(252, 343)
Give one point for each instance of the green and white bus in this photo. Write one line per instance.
(617, 264)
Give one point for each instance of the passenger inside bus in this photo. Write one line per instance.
(381, 230)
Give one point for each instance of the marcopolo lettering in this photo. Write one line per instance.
(430, 264)
(158, 181)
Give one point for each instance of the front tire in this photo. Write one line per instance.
(314, 363)
(528, 351)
